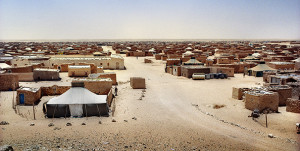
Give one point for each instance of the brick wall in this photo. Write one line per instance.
(284, 93)
(293, 105)
(110, 75)
(9, 81)
(54, 90)
(262, 101)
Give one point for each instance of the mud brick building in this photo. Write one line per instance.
(79, 70)
(9, 82)
(28, 96)
(282, 65)
(188, 71)
(45, 74)
(259, 99)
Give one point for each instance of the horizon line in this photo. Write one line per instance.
(149, 39)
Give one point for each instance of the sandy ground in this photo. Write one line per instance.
(175, 113)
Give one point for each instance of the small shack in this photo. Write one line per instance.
(28, 96)
(77, 102)
(45, 74)
(138, 83)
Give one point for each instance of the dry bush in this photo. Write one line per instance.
(217, 106)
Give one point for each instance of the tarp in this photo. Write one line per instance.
(262, 67)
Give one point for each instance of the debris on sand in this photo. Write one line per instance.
(4, 123)
(270, 136)
(83, 124)
(6, 148)
(217, 106)
(134, 118)
(113, 120)
(68, 124)
(57, 128)
(100, 122)
(50, 125)
(32, 124)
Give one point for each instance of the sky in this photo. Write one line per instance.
(149, 19)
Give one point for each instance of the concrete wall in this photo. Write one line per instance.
(9, 81)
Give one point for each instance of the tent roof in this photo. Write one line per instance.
(78, 95)
(261, 67)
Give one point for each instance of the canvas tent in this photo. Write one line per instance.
(259, 69)
(77, 102)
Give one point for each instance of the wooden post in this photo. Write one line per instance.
(266, 119)
(33, 111)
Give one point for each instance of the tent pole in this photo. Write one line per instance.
(54, 112)
(85, 111)
(66, 113)
(98, 111)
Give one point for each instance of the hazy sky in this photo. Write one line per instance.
(149, 19)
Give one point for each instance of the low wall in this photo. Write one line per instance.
(293, 105)
(54, 90)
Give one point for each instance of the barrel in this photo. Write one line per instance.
(207, 76)
(196, 76)
(221, 75)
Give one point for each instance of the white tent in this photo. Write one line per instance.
(77, 99)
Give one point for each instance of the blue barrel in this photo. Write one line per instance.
(221, 75)
(216, 75)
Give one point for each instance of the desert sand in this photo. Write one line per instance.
(175, 113)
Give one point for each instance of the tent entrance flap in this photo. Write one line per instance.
(76, 110)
